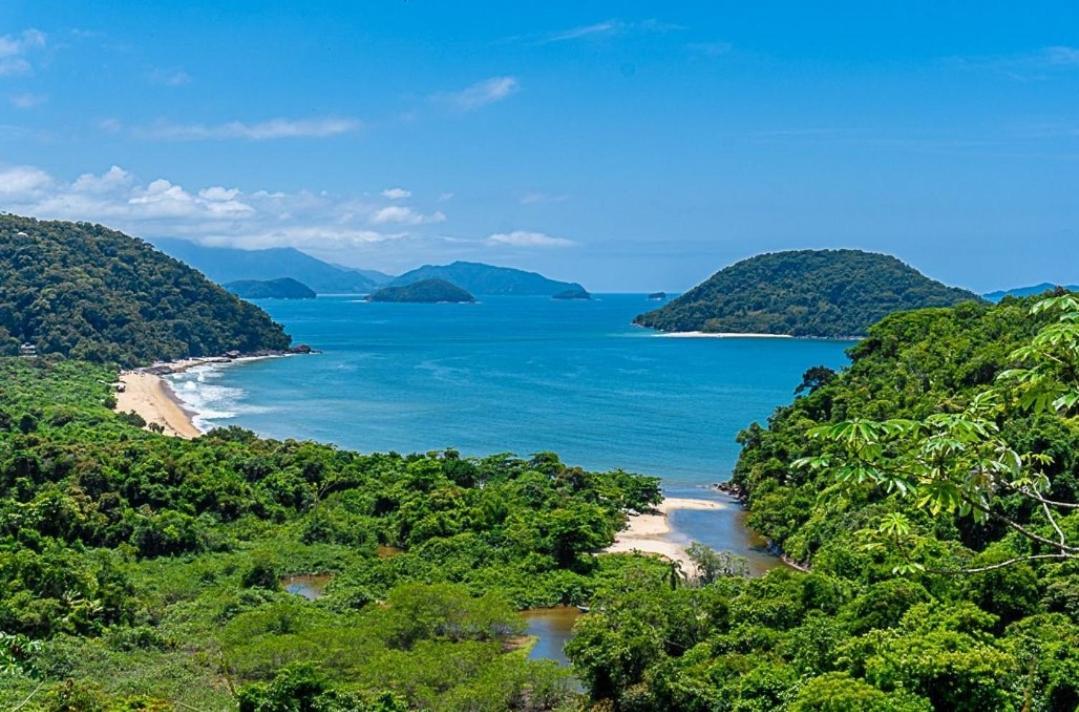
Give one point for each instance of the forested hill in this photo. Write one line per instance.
(283, 288)
(823, 293)
(479, 278)
(88, 292)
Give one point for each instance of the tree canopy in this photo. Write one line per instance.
(824, 293)
(92, 293)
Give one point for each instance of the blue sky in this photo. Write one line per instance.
(631, 146)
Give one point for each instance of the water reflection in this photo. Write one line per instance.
(553, 627)
(310, 586)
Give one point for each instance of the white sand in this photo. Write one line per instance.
(152, 398)
(648, 533)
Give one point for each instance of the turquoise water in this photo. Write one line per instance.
(517, 374)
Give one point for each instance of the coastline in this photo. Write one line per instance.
(152, 398)
(147, 392)
(719, 335)
(648, 532)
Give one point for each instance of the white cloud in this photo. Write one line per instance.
(262, 131)
(27, 100)
(13, 49)
(212, 214)
(481, 93)
(443, 197)
(396, 193)
(112, 179)
(403, 215)
(1061, 56)
(22, 181)
(522, 238)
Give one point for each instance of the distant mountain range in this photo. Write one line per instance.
(824, 293)
(479, 278)
(1026, 291)
(282, 288)
(227, 264)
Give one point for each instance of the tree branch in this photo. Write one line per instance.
(1002, 564)
(1020, 528)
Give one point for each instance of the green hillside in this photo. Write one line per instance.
(92, 293)
(824, 293)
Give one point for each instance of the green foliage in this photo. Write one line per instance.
(95, 294)
(148, 569)
(934, 509)
(828, 293)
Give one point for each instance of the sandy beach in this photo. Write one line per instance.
(150, 396)
(648, 533)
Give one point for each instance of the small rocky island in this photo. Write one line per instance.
(283, 288)
(427, 291)
(575, 292)
(658, 296)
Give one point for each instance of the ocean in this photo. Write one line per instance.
(520, 375)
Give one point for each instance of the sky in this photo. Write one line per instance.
(630, 146)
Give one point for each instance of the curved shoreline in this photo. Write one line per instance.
(648, 532)
(152, 398)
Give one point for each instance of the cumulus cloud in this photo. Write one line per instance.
(480, 94)
(404, 215)
(211, 214)
(396, 193)
(239, 130)
(523, 238)
(14, 48)
(22, 181)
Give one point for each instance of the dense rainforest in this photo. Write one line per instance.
(88, 292)
(822, 293)
(139, 571)
(929, 493)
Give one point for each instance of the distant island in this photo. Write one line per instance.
(479, 278)
(573, 293)
(822, 293)
(658, 296)
(1030, 291)
(281, 288)
(226, 265)
(112, 298)
(427, 291)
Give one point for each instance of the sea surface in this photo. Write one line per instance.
(521, 375)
